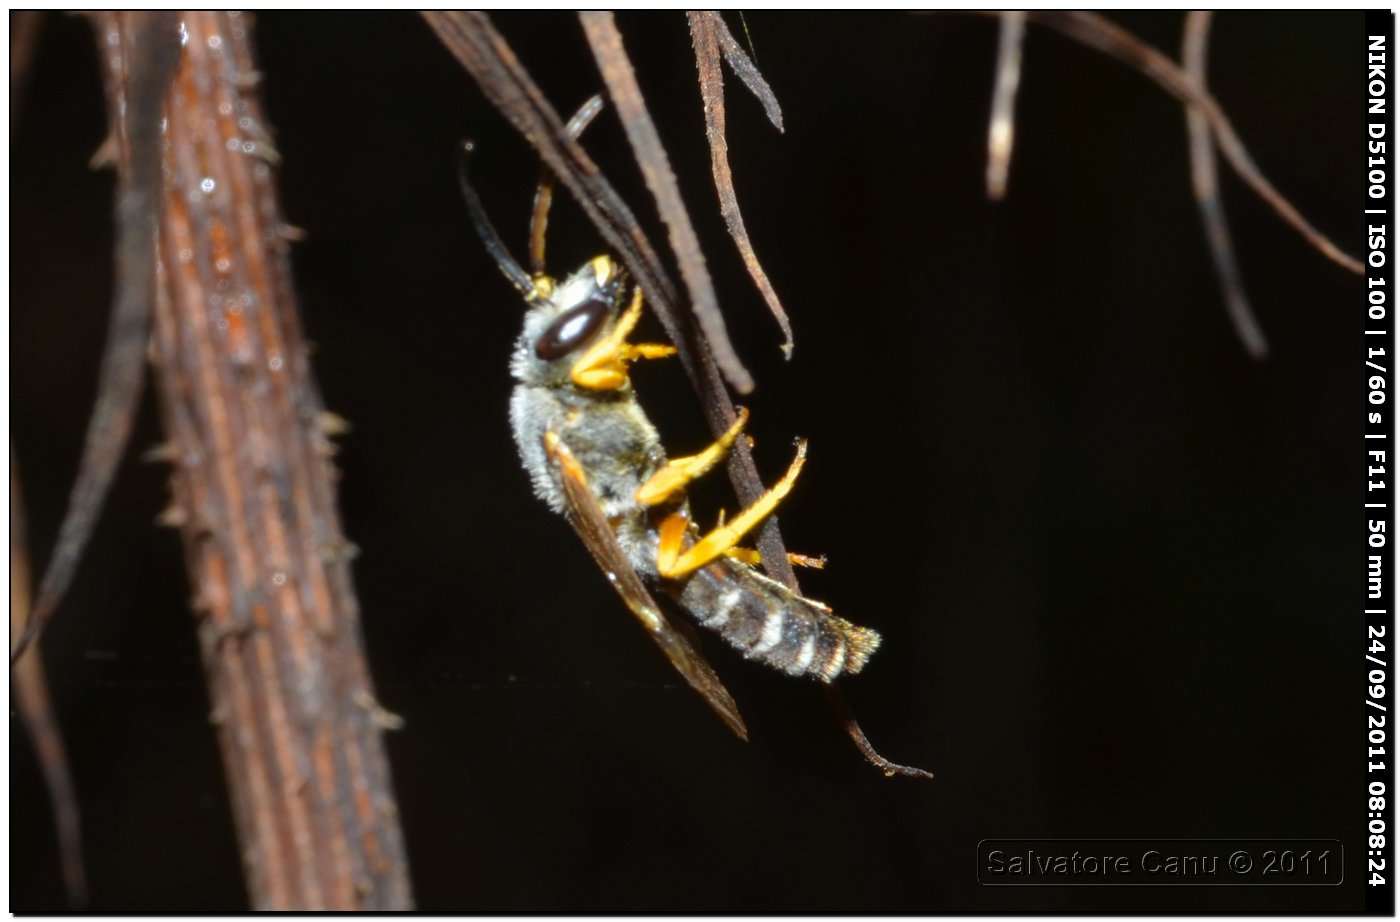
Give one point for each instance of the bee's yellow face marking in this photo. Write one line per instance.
(544, 288)
(604, 270)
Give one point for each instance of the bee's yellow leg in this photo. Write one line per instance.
(753, 558)
(748, 555)
(647, 351)
(678, 472)
(673, 562)
(604, 366)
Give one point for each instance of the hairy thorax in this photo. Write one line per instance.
(612, 439)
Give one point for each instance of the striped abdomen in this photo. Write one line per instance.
(766, 621)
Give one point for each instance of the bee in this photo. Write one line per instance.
(594, 456)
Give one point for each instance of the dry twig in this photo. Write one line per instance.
(35, 709)
(119, 381)
(621, 82)
(707, 33)
(1002, 127)
(744, 68)
(847, 718)
(1097, 32)
(300, 732)
(1207, 191)
(618, 75)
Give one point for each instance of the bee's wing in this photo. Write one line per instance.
(592, 526)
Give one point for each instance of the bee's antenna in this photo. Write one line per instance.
(509, 267)
(544, 193)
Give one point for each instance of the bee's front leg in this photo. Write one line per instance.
(604, 366)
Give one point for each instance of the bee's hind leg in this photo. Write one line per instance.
(753, 558)
(674, 560)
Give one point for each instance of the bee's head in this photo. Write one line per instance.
(564, 318)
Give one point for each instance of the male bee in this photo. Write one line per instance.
(593, 455)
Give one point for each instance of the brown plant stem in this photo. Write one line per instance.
(744, 67)
(1206, 187)
(35, 707)
(706, 29)
(616, 68)
(1001, 130)
(298, 726)
(153, 36)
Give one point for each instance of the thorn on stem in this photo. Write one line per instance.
(106, 154)
(332, 424)
(174, 516)
(163, 452)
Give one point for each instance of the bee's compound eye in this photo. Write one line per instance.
(572, 328)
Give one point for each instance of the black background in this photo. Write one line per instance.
(1115, 561)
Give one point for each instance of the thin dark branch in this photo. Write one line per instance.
(1097, 32)
(710, 35)
(847, 719)
(1002, 127)
(1207, 191)
(704, 29)
(155, 39)
(35, 708)
(621, 82)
